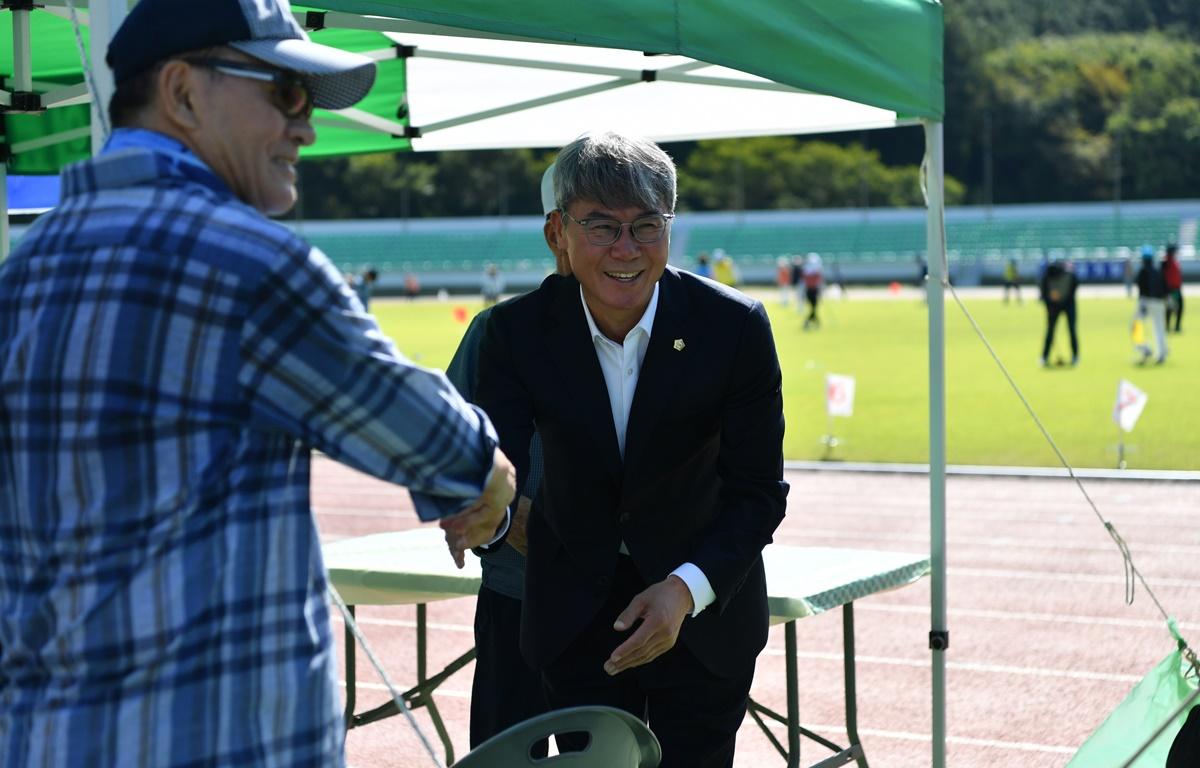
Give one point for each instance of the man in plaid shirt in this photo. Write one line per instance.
(168, 358)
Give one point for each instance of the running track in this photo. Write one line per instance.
(1043, 646)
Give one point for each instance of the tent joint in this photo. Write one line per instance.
(411, 132)
(17, 5)
(649, 75)
(23, 101)
(405, 51)
(314, 20)
(939, 639)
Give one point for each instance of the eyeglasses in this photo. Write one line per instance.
(290, 93)
(645, 229)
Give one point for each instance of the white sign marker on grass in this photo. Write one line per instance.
(1131, 401)
(839, 394)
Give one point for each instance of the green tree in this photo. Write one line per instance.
(785, 172)
(1079, 118)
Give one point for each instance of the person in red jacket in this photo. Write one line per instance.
(1173, 276)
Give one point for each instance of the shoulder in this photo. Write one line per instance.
(706, 296)
(555, 291)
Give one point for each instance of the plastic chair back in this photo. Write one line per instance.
(617, 739)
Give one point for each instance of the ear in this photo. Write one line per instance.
(177, 91)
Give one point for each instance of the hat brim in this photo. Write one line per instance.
(336, 79)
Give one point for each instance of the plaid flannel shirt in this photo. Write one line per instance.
(168, 357)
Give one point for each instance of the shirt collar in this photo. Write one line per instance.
(135, 156)
(646, 324)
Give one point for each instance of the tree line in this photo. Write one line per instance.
(1068, 100)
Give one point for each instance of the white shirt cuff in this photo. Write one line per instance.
(503, 529)
(697, 584)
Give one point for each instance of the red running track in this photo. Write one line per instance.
(1043, 646)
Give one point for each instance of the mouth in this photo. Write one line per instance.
(625, 277)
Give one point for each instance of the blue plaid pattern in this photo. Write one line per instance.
(168, 358)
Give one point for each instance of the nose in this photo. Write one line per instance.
(301, 131)
(625, 245)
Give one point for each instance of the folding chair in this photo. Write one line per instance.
(617, 739)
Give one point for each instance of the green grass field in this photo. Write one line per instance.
(882, 343)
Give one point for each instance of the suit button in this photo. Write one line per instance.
(624, 518)
(602, 581)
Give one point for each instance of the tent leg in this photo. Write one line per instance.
(22, 68)
(939, 635)
(104, 18)
(4, 232)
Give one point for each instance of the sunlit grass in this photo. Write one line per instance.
(883, 345)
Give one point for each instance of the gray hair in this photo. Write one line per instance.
(616, 171)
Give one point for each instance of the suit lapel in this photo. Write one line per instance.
(661, 372)
(573, 353)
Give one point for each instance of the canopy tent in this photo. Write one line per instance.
(440, 89)
(470, 74)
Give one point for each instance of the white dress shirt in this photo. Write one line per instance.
(621, 365)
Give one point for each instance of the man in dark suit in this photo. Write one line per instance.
(657, 397)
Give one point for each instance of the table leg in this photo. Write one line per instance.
(848, 664)
(793, 694)
(434, 715)
(350, 670)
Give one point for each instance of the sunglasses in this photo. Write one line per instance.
(289, 92)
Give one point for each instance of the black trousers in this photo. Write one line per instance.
(1053, 310)
(505, 690)
(1174, 308)
(694, 713)
(813, 297)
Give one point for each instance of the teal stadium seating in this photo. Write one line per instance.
(861, 245)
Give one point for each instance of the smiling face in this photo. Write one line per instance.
(618, 280)
(245, 139)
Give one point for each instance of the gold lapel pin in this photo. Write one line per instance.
(679, 345)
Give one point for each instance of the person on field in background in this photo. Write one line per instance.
(505, 689)
(1012, 280)
(1152, 307)
(1173, 277)
(724, 270)
(814, 282)
(364, 287)
(783, 279)
(169, 358)
(1057, 291)
(492, 285)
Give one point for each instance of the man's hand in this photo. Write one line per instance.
(517, 529)
(477, 523)
(662, 608)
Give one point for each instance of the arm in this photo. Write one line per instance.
(750, 463)
(316, 367)
(753, 500)
(500, 391)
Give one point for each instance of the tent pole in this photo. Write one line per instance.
(104, 18)
(935, 255)
(4, 233)
(22, 69)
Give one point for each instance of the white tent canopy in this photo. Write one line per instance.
(471, 93)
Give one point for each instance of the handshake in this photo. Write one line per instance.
(483, 521)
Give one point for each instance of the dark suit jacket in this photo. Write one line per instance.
(701, 481)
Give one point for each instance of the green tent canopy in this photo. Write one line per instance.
(467, 75)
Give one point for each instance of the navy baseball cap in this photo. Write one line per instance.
(156, 30)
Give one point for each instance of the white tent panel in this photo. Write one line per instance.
(561, 91)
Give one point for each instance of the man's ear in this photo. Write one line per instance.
(177, 94)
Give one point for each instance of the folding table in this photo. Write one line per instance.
(414, 567)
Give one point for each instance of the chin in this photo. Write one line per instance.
(278, 204)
